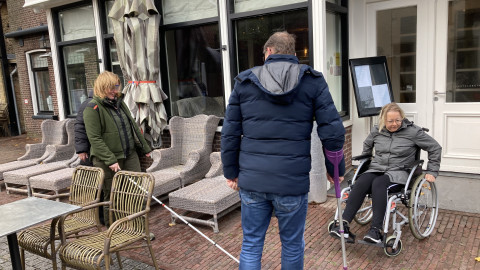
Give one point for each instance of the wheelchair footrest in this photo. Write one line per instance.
(380, 245)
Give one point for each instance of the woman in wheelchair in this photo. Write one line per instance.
(396, 141)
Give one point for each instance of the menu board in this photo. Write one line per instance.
(371, 83)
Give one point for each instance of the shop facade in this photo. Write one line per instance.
(431, 48)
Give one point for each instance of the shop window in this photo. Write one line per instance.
(336, 68)
(252, 33)
(184, 11)
(194, 63)
(463, 64)
(76, 23)
(40, 82)
(397, 40)
(81, 69)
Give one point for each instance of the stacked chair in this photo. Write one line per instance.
(85, 191)
(55, 157)
(129, 204)
(53, 133)
(187, 159)
(211, 196)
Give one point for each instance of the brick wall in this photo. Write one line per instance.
(25, 18)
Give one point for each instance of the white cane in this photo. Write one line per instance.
(186, 222)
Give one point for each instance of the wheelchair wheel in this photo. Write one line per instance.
(389, 250)
(423, 208)
(331, 225)
(365, 213)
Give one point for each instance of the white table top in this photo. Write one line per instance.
(21, 214)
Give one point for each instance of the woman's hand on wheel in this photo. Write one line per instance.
(430, 178)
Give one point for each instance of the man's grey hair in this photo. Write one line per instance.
(281, 43)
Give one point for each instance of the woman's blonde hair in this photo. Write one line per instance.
(105, 82)
(390, 107)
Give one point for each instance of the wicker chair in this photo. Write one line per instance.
(129, 206)
(210, 196)
(188, 157)
(53, 132)
(58, 152)
(53, 182)
(85, 190)
(19, 180)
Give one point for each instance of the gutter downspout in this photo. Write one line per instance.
(10, 95)
(15, 100)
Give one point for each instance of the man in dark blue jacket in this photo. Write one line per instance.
(266, 147)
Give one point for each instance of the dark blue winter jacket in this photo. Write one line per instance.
(268, 123)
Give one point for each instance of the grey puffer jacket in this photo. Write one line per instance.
(393, 150)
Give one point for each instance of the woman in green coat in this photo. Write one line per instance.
(113, 134)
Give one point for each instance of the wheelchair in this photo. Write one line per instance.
(418, 196)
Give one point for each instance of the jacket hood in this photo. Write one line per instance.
(278, 77)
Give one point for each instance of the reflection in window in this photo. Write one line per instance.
(252, 33)
(76, 23)
(183, 11)
(397, 40)
(250, 5)
(463, 64)
(194, 70)
(333, 69)
(114, 63)
(108, 7)
(41, 78)
(81, 68)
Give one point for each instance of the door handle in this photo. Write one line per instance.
(439, 93)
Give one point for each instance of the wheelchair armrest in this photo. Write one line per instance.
(360, 157)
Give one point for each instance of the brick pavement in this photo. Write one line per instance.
(453, 245)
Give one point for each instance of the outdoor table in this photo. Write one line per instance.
(19, 215)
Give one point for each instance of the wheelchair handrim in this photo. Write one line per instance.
(433, 216)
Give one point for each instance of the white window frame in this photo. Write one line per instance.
(31, 78)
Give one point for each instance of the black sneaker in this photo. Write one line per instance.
(373, 236)
(335, 231)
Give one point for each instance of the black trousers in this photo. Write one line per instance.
(369, 183)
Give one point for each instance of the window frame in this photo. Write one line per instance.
(165, 82)
(33, 85)
(61, 44)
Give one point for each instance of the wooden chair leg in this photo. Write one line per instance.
(22, 257)
(119, 260)
(151, 253)
(107, 261)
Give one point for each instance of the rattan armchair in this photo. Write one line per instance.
(187, 159)
(85, 190)
(58, 152)
(129, 204)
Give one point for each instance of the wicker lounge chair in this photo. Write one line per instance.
(187, 159)
(58, 152)
(18, 180)
(60, 180)
(129, 207)
(210, 196)
(53, 132)
(86, 188)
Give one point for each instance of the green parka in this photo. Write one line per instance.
(104, 135)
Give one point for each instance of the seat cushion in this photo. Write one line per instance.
(21, 176)
(15, 165)
(167, 180)
(209, 196)
(56, 180)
